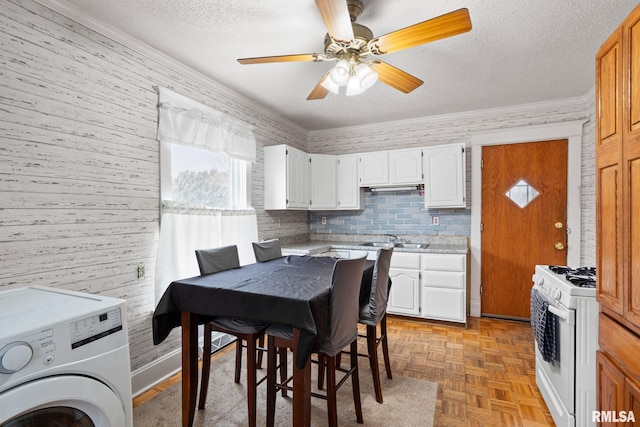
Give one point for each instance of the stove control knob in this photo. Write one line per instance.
(15, 356)
(557, 295)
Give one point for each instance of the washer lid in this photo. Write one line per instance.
(46, 306)
(88, 396)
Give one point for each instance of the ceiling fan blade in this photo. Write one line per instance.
(280, 58)
(443, 26)
(394, 77)
(319, 92)
(335, 15)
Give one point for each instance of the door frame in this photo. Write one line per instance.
(571, 131)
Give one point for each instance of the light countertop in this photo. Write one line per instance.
(314, 247)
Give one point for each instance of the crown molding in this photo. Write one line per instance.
(474, 116)
(80, 16)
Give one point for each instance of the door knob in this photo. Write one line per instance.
(559, 246)
(559, 224)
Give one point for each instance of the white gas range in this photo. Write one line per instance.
(567, 381)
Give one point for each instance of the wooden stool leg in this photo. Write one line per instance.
(373, 361)
(261, 344)
(282, 354)
(251, 381)
(332, 404)
(355, 381)
(385, 345)
(238, 359)
(271, 381)
(206, 366)
(321, 370)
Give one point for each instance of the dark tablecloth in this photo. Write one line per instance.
(292, 290)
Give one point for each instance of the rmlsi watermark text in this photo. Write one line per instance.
(613, 417)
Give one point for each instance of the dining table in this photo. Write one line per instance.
(291, 290)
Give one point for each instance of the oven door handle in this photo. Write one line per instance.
(568, 316)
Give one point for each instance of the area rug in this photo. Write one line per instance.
(407, 402)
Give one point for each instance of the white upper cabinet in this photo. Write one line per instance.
(405, 166)
(324, 176)
(444, 176)
(373, 168)
(388, 168)
(294, 179)
(286, 178)
(298, 179)
(350, 196)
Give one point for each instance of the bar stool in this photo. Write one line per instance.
(374, 312)
(342, 331)
(245, 330)
(267, 250)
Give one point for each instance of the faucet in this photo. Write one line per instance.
(392, 238)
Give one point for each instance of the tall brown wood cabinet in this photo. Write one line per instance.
(618, 218)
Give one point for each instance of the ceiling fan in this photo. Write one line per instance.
(349, 44)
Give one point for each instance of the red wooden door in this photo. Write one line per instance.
(524, 210)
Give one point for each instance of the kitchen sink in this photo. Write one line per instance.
(397, 245)
(412, 245)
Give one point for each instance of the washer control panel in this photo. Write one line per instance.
(90, 329)
(15, 356)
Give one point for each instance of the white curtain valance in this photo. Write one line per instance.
(184, 121)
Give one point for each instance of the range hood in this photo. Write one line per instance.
(396, 188)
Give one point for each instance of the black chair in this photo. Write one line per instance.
(267, 250)
(373, 312)
(213, 261)
(342, 331)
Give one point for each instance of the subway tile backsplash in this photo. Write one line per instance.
(397, 212)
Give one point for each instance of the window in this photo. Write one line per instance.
(205, 179)
(205, 186)
(522, 193)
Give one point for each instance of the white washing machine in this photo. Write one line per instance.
(64, 359)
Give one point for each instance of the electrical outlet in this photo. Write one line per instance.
(140, 272)
(435, 220)
(324, 220)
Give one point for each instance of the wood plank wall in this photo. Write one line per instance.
(79, 183)
(79, 172)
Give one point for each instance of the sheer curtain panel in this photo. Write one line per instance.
(196, 221)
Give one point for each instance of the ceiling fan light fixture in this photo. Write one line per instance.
(366, 76)
(354, 86)
(330, 85)
(341, 72)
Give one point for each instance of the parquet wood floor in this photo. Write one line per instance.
(486, 372)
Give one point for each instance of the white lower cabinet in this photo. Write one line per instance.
(431, 286)
(444, 287)
(404, 297)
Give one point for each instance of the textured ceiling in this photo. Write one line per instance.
(517, 52)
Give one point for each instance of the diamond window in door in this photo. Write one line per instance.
(522, 193)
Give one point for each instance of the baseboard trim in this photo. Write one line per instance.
(142, 379)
